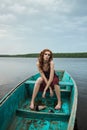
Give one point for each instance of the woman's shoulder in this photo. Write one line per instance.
(51, 62)
(37, 63)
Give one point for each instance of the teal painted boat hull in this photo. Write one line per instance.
(15, 113)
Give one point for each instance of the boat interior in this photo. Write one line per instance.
(47, 118)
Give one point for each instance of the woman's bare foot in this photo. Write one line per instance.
(58, 106)
(32, 106)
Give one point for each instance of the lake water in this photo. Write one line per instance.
(15, 70)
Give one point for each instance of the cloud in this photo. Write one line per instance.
(3, 33)
(29, 22)
(7, 18)
(17, 8)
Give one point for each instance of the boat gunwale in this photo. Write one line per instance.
(74, 106)
(12, 91)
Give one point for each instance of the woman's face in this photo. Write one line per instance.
(46, 55)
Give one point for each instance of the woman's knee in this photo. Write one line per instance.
(39, 81)
(56, 86)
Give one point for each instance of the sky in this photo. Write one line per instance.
(29, 26)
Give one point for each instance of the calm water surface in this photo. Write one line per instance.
(14, 70)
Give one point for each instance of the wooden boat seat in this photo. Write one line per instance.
(64, 86)
(60, 83)
(42, 115)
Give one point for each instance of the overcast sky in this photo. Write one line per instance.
(29, 26)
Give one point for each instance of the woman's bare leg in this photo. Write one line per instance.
(35, 91)
(57, 91)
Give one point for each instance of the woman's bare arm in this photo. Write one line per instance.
(51, 75)
(41, 73)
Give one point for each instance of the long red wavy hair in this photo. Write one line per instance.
(41, 55)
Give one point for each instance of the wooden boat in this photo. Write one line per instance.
(15, 113)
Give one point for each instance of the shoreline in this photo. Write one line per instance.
(55, 55)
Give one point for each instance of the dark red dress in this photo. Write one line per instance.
(54, 82)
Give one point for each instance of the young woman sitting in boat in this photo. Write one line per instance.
(49, 80)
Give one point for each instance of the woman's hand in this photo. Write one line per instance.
(51, 92)
(44, 92)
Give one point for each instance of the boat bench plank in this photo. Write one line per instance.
(41, 115)
(66, 88)
(60, 83)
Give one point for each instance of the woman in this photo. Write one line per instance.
(48, 80)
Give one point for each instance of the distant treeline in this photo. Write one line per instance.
(56, 55)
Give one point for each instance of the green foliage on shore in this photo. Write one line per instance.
(71, 55)
(56, 55)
